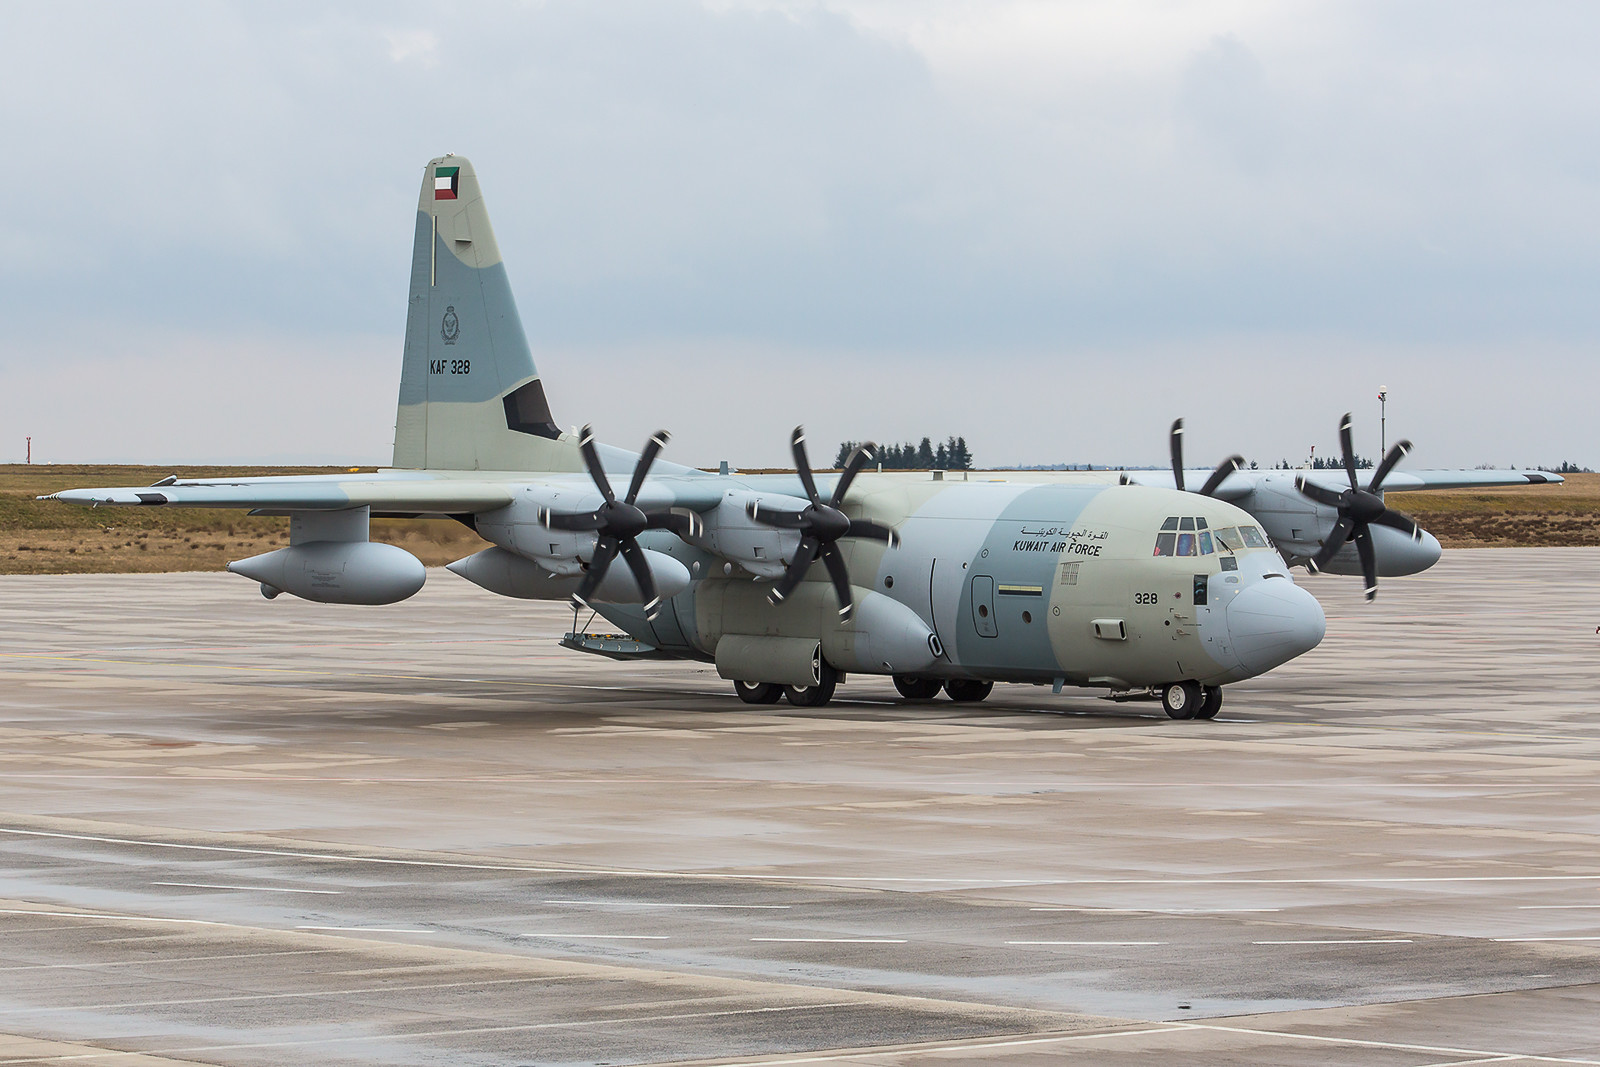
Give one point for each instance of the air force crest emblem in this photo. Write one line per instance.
(450, 326)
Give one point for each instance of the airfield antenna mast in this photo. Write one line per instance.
(30, 448)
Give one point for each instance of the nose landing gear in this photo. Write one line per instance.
(1191, 700)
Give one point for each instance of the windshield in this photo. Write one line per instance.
(1181, 536)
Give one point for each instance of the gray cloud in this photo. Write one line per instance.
(1036, 197)
(1225, 102)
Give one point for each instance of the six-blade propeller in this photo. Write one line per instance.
(1358, 508)
(821, 525)
(1218, 476)
(618, 523)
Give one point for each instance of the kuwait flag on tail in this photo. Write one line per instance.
(444, 182)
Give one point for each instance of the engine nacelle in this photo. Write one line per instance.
(731, 533)
(517, 527)
(1299, 526)
(336, 572)
(509, 574)
(1397, 554)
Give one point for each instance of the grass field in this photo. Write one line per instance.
(1531, 516)
(47, 537)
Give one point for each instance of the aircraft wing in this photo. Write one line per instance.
(1410, 481)
(384, 491)
(394, 492)
(1238, 484)
(1241, 483)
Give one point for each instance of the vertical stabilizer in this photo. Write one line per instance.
(470, 397)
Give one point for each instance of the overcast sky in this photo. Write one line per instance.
(1049, 227)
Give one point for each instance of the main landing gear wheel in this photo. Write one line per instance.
(1210, 702)
(814, 696)
(968, 690)
(758, 692)
(1182, 700)
(913, 688)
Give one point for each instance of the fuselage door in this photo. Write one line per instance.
(983, 606)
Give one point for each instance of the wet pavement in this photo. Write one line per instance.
(235, 831)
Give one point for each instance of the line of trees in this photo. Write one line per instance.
(1330, 463)
(951, 454)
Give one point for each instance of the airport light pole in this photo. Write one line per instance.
(1383, 420)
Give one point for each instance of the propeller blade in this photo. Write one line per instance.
(1400, 451)
(1399, 520)
(582, 520)
(1341, 533)
(633, 555)
(803, 556)
(687, 526)
(652, 449)
(1324, 496)
(863, 455)
(605, 550)
(783, 520)
(1220, 475)
(802, 465)
(875, 530)
(837, 571)
(1369, 562)
(1175, 440)
(1347, 447)
(591, 460)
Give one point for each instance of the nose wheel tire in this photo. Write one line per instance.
(967, 690)
(1210, 702)
(758, 692)
(1182, 700)
(914, 688)
(814, 696)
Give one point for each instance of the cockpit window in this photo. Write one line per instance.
(1228, 538)
(1252, 537)
(1188, 535)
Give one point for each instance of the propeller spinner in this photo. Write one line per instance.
(1358, 508)
(618, 523)
(821, 525)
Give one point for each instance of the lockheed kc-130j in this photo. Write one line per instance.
(791, 582)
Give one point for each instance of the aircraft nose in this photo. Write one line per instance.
(1272, 622)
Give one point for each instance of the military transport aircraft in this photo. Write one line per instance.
(789, 582)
